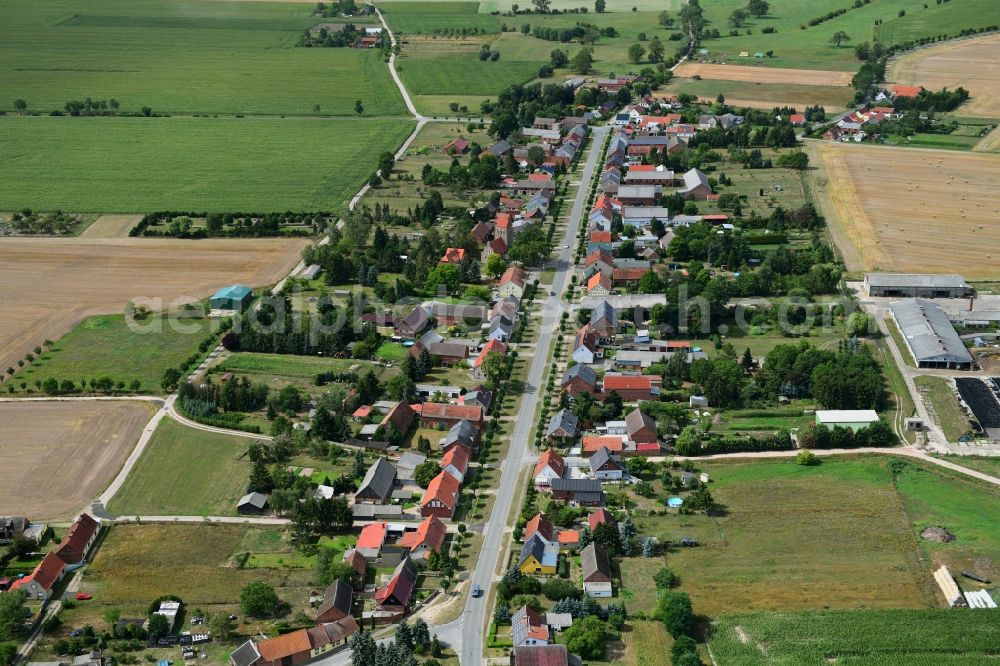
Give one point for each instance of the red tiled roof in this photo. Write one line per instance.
(628, 274)
(598, 255)
(613, 382)
(432, 410)
(431, 533)
(648, 448)
(444, 488)
(498, 246)
(362, 411)
(544, 177)
(598, 517)
(569, 537)
(372, 535)
(491, 346)
(514, 274)
(46, 573)
(502, 220)
(797, 118)
(598, 279)
(600, 236)
(716, 217)
(74, 544)
(591, 443)
(457, 457)
(540, 524)
(453, 255)
(906, 91)
(550, 459)
(276, 649)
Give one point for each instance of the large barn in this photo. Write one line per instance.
(929, 335)
(916, 285)
(234, 297)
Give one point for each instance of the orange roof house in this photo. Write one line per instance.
(436, 413)
(600, 516)
(441, 497)
(78, 540)
(550, 466)
(428, 537)
(598, 236)
(541, 525)
(491, 346)
(613, 443)
(599, 284)
(371, 539)
(906, 91)
(39, 583)
(569, 539)
(502, 220)
(455, 461)
(453, 255)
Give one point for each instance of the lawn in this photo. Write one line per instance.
(968, 509)
(187, 472)
(185, 57)
(391, 351)
(950, 414)
(140, 164)
(980, 463)
(938, 637)
(646, 643)
(277, 370)
(833, 536)
(105, 346)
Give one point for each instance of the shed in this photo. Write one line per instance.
(252, 504)
(855, 419)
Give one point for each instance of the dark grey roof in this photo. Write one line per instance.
(576, 485)
(916, 280)
(593, 560)
(564, 420)
(601, 458)
(581, 371)
(479, 396)
(928, 332)
(245, 655)
(379, 480)
(339, 596)
(602, 312)
(535, 545)
(501, 147)
(463, 432)
(253, 499)
(417, 319)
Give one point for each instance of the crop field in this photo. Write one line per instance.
(409, 18)
(970, 63)
(967, 508)
(764, 95)
(241, 54)
(111, 226)
(810, 48)
(885, 213)
(938, 637)
(185, 472)
(797, 538)
(451, 67)
(50, 284)
(58, 456)
(105, 346)
(138, 563)
(805, 77)
(138, 165)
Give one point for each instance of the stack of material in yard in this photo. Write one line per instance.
(949, 587)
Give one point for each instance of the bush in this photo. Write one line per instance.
(807, 458)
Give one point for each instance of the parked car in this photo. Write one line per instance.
(83, 596)
(477, 591)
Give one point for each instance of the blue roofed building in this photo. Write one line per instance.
(233, 297)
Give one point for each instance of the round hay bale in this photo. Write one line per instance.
(937, 534)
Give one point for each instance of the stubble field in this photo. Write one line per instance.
(57, 456)
(910, 209)
(808, 77)
(970, 63)
(50, 283)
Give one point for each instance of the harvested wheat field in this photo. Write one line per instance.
(111, 226)
(906, 209)
(970, 63)
(58, 456)
(49, 284)
(808, 77)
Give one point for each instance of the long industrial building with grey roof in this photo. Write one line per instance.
(929, 335)
(916, 285)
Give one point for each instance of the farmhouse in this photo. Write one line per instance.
(427, 538)
(914, 285)
(600, 517)
(543, 655)
(541, 525)
(336, 604)
(632, 387)
(538, 556)
(377, 485)
(855, 419)
(40, 582)
(296, 647)
(414, 323)
(605, 467)
(371, 540)
(398, 592)
(528, 628)
(562, 425)
(550, 466)
(579, 379)
(455, 461)
(641, 427)
(441, 497)
(234, 297)
(461, 435)
(78, 540)
(433, 414)
(929, 335)
(512, 282)
(596, 571)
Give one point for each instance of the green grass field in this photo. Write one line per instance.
(141, 164)
(183, 57)
(795, 537)
(968, 509)
(939, 637)
(186, 472)
(105, 346)
(425, 17)
(277, 370)
(980, 463)
(951, 416)
(462, 73)
(942, 141)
